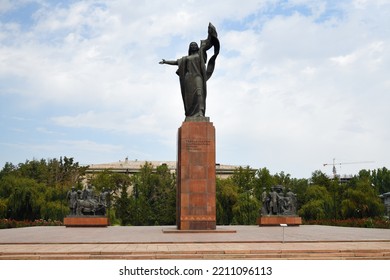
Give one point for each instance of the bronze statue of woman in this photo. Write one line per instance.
(193, 73)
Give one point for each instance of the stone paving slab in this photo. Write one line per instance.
(155, 234)
(204, 248)
(233, 242)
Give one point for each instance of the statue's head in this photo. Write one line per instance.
(193, 48)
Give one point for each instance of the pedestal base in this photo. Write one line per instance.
(196, 193)
(278, 220)
(86, 221)
(199, 231)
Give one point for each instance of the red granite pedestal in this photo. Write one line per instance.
(278, 220)
(86, 221)
(196, 176)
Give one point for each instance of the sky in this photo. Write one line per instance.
(297, 83)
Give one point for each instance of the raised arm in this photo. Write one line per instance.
(169, 62)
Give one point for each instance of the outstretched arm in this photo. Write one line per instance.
(170, 62)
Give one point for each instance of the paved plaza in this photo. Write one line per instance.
(164, 242)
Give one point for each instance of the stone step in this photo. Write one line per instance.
(276, 255)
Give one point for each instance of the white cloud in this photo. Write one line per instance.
(290, 90)
(111, 121)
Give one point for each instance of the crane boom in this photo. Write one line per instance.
(342, 163)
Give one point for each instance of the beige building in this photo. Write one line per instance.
(133, 166)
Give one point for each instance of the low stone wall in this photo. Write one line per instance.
(278, 220)
(86, 221)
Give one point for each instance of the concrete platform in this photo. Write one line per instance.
(234, 242)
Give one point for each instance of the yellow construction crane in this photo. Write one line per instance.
(342, 163)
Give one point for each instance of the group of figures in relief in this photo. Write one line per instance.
(276, 202)
(87, 202)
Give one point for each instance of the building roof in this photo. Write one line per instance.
(133, 166)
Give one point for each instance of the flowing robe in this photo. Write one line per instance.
(193, 74)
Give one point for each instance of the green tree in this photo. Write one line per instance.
(320, 179)
(3, 208)
(362, 200)
(380, 178)
(67, 171)
(108, 180)
(153, 200)
(337, 191)
(226, 198)
(163, 199)
(318, 203)
(52, 172)
(7, 169)
(263, 179)
(246, 210)
(244, 179)
(36, 188)
(53, 210)
(283, 179)
(299, 187)
(143, 192)
(24, 202)
(122, 205)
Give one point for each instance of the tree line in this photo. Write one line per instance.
(318, 198)
(36, 189)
